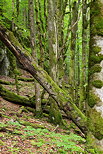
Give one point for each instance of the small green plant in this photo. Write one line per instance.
(16, 123)
(3, 125)
(13, 150)
(17, 132)
(1, 143)
(59, 141)
(38, 144)
(1, 134)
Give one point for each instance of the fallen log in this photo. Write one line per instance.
(29, 103)
(19, 78)
(18, 99)
(26, 79)
(12, 97)
(61, 97)
(6, 82)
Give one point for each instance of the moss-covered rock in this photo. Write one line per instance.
(95, 123)
(93, 99)
(97, 83)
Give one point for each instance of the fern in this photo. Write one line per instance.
(16, 123)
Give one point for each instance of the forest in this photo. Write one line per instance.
(51, 76)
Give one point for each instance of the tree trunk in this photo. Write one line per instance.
(61, 97)
(55, 115)
(32, 27)
(85, 56)
(74, 17)
(17, 7)
(4, 62)
(95, 122)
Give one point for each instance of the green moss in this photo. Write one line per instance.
(94, 69)
(34, 125)
(12, 60)
(25, 79)
(95, 59)
(91, 145)
(16, 43)
(38, 114)
(17, 72)
(95, 8)
(97, 83)
(95, 124)
(93, 99)
(54, 114)
(96, 49)
(13, 39)
(99, 25)
(96, 18)
(10, 96)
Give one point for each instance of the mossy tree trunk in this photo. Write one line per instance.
(55, 115)
(18, 99)
(4, 61)
(74, 17)
(12, 97)
(32, 27)
(85, 56)
(60, 13)
(95, 114)
(61, 97)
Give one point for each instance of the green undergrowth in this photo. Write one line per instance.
(40, 138)
(63, 143)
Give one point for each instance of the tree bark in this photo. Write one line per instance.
(61, 97)
(72, 81)
(34, 54)
(55, 115)
(95, 113)
(85, 56)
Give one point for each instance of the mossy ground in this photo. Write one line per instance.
(22, 133)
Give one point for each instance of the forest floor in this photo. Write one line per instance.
(22, 133)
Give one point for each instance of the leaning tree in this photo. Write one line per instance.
(91, 121)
